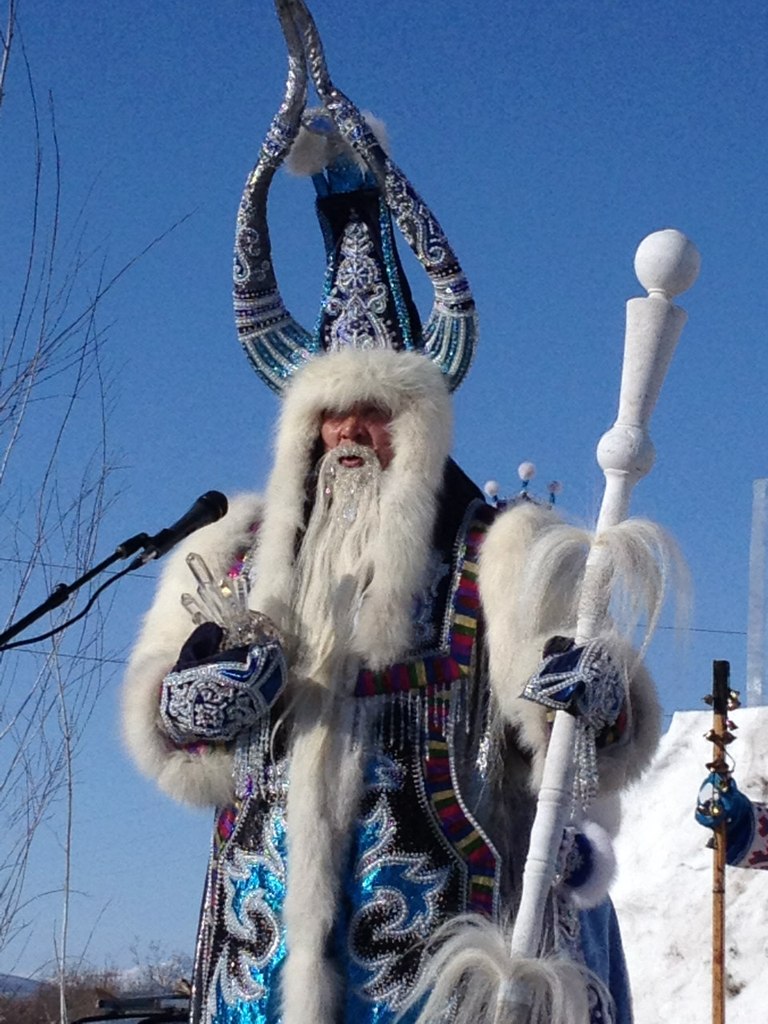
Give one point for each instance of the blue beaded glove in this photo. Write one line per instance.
(202, 645)
(586, 682)
(720, 800)
(214, 696)
(583, 680)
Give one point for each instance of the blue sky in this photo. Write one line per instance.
(549, 138)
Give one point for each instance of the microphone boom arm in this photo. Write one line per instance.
(208, 508)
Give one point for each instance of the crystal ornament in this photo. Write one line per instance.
(226, 603)
(194, 610)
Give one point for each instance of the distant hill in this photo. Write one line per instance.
(13, 985)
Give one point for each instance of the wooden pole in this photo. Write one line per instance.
(720, 693)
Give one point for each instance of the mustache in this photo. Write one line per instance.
(330, 474)
(349, 450)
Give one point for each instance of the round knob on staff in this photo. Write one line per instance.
(666, 263)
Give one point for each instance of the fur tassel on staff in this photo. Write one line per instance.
(505, 981)
(723, 700)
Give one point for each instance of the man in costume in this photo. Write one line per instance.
(363, 738)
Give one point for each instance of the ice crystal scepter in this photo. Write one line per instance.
(666, 263)
(225, 602)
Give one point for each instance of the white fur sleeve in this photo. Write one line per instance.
(531, 567)
(201, 775)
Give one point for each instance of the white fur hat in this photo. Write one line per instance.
(414, 392)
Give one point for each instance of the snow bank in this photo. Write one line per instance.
(663, 892)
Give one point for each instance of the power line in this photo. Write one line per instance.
(78, 657)
(705, 629)
(124, 661)
(72, 568)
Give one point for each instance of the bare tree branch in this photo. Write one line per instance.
(6, 41)
(55, 488)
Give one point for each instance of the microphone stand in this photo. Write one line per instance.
(208, 508)
(62, 591)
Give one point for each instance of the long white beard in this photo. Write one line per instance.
(334, 566)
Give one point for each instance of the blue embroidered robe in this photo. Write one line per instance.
(423, 849)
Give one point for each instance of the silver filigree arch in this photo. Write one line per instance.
(274, 341)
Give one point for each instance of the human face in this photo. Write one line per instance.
(363, 424)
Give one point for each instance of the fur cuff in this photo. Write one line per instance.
(199, 776)
(589, 864)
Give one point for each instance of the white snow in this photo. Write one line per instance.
(663, 893)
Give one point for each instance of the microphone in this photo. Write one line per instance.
(209, 508)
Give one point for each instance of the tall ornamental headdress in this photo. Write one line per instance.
(367, 301)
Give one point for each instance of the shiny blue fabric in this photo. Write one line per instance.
(254, 884)
(393, 903)
(604, 954)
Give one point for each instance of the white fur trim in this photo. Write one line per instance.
(199, 779)
(531, 568)
(472, 958)
(624, 762)
(414, 391)
(516, 633)
(595, 888)
(312, 152)
(326, 780)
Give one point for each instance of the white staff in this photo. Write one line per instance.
(666, 263)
